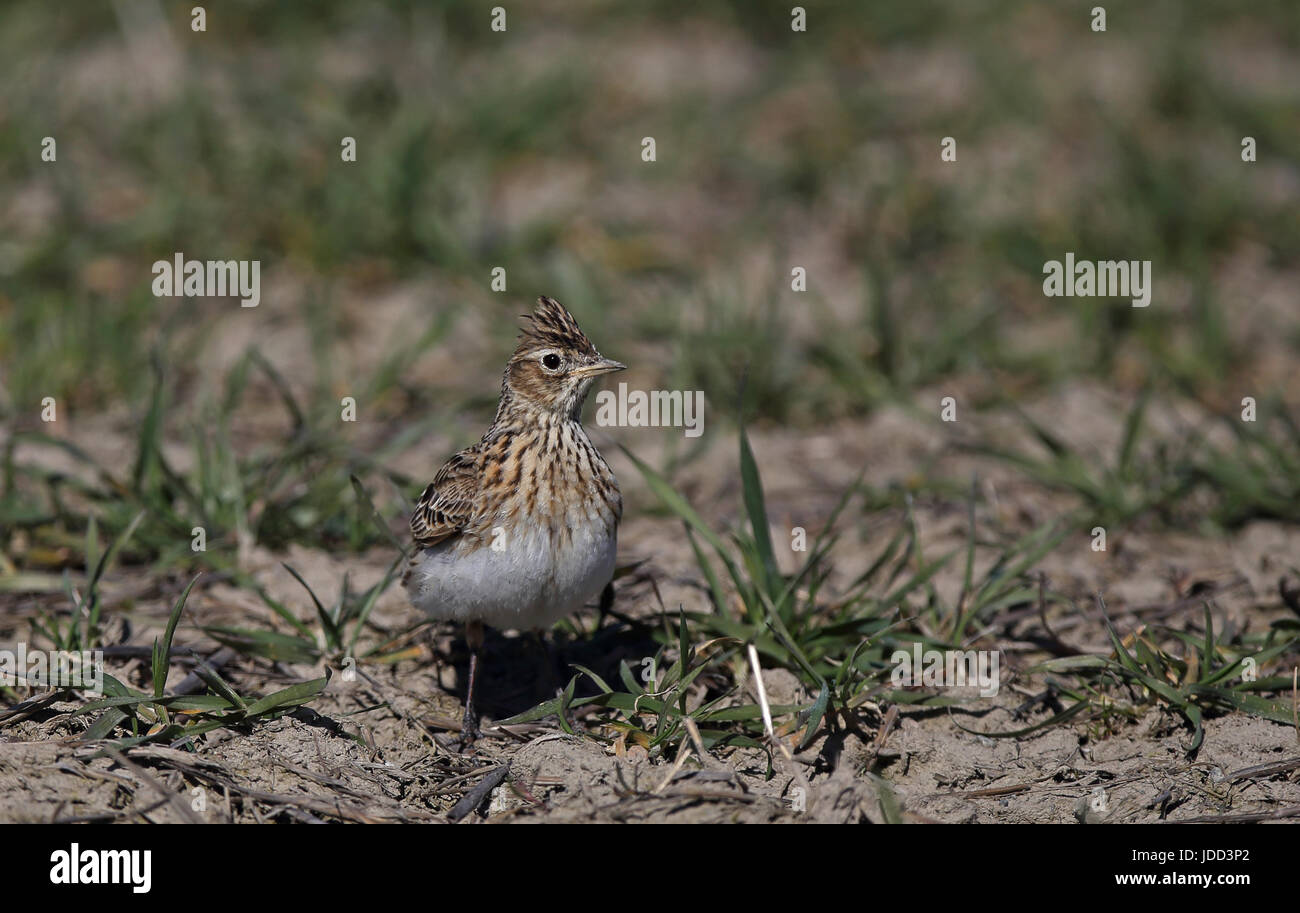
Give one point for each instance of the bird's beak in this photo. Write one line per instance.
(600, 366)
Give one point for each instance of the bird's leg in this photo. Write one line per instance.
(545, 663)
(474, 639)
(606, 603)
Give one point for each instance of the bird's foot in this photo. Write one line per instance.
(469, 729)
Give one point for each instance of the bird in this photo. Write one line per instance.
(521, 528)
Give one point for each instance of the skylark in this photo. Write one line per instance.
(520, 529)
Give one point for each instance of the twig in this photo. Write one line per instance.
(19, 712)
(1292, 811)
(795, 770)
(1263, 771)
(193, 682)
(195, 768)
(167, 795)
(683, 752)
(762, 691)
(474, 798)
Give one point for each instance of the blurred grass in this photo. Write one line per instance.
(773, 141)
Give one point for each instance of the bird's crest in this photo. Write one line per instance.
(552, 326)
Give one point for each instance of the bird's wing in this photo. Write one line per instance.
(447, 504)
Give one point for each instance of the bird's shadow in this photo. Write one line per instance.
(518, 671)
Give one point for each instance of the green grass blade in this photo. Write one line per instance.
(756, 506)
(331, 629)
(162, 648)
(292, 696)
(815, 717)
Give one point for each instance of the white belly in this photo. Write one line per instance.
(530, 582)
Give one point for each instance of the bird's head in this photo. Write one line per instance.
(554, 364)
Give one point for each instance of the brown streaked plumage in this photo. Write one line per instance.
(521, 528)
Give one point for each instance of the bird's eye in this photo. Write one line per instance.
(550, 361)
